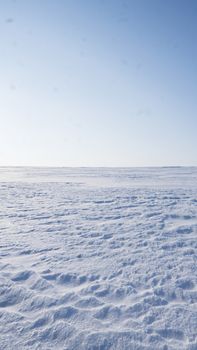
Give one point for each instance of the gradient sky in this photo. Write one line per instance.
(98, 83)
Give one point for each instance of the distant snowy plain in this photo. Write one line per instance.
(98, 259)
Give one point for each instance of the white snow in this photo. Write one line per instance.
(98, 259)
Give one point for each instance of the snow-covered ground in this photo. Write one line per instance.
(97, 259)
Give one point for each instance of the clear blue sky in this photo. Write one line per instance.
(98, 83)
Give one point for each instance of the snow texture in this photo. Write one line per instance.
(98, 259)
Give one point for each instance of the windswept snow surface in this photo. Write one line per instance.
(98, 259)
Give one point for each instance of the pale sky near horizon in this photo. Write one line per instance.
(98, 83)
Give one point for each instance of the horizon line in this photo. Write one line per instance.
(99, 166)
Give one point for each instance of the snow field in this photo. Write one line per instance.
(98, 259)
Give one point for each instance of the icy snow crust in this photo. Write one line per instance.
(97, 259)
